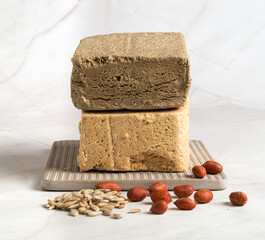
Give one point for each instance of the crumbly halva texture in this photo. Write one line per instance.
(135, 71)
(135, 141)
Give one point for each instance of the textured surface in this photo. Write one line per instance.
(62, 172)
(130, 71)
(133, 141)
(134, 45)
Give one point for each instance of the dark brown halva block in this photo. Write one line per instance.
(137, 71)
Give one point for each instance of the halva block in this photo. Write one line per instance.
(135, 71)
(135, 140)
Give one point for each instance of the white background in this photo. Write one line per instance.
(226, 45)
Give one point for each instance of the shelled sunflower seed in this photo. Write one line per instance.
(88, 201)
(136, 210)
(117, 216)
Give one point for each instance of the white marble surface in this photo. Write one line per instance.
(225, 41)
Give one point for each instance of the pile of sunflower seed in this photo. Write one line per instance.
(90, 202)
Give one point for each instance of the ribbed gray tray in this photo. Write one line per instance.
(63, 174)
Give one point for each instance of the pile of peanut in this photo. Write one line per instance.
(107, 196)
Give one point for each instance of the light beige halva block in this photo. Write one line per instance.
(135, 141)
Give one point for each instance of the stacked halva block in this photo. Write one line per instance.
(133, 90)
